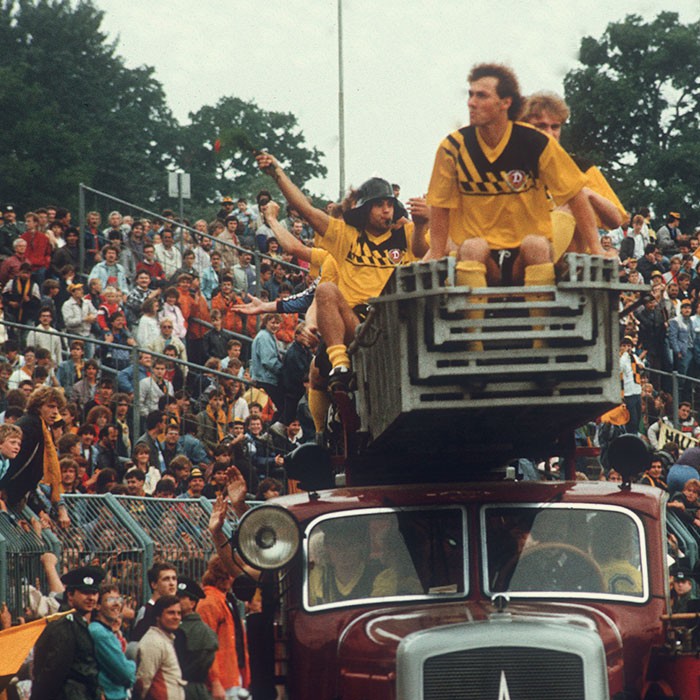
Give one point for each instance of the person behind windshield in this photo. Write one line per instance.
(346, 572)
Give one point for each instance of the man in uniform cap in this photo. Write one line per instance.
(682, 585)
(197, 645)
(65, 667)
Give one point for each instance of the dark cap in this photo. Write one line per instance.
(682, 571)
(627, 341)
(227, 200)
(8, 207)
(370, 191)
(86, 579)
(196, 473)
(189, 587)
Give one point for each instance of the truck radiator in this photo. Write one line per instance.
(527, 674)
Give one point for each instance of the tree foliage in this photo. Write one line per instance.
(71, 111)
(635, 106)
(220, 142)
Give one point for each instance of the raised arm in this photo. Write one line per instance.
(296, 198)
(290, 243)
(420, 213)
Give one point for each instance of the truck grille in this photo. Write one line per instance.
(478, 674)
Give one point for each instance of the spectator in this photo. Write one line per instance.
(116, 673)
(148, 329)
(157, 657)
(21, 297)
(71, 370)
(195, 484)
(64, 656)
(201, 642)
(153, 387)
(84, 390)
(141, 457)
(151, 266)
(10, 265)
(162, 579)
(168, 255)
(265, 364)
(37, 459)
(230, 669)
(38, 247)
(110, 272)
(215, 341)
(155, 424)
(212, 421)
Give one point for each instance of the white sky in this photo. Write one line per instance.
(405, 64)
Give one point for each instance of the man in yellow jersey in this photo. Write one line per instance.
(369, 241)
(548, 112)
(488, 190)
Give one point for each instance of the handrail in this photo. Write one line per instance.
(135, 351)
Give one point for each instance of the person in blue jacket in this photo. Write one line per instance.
(117, 674)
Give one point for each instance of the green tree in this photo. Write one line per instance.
(635, 106)
(218, 149)
(70, 110)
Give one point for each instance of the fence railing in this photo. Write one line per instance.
(135, 352)
(125, 535)
(258, 257)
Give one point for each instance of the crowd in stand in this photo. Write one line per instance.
(159, 287)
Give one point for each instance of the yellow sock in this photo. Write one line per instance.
(319, 401)
(539, 275)
(469, 273)
(338, 355)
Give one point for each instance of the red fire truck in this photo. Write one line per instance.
(432, 572)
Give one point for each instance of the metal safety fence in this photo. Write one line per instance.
(124, 535)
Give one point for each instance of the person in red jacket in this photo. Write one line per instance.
(151, 266)
(38, 247)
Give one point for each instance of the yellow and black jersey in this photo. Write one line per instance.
(365, 263)
(500, 194)
(597, 182)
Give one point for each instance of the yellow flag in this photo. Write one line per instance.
(17, 642)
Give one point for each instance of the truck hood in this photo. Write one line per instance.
(369, 644)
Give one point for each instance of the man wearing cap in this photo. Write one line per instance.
(195, 484)
(369, 241)
(681, 338)
(226, 208)
(682, 586)
(11, 227)
(667, 236)
(65, 667)
(198, 644)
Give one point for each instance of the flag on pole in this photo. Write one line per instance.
(17, 642)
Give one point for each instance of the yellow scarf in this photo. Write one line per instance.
(219, 421)
(52, 469)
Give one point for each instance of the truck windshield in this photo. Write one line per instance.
(590, 552)
(362, 556)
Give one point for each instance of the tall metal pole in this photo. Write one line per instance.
(341, 102)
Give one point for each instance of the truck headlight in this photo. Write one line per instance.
(267, 537)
